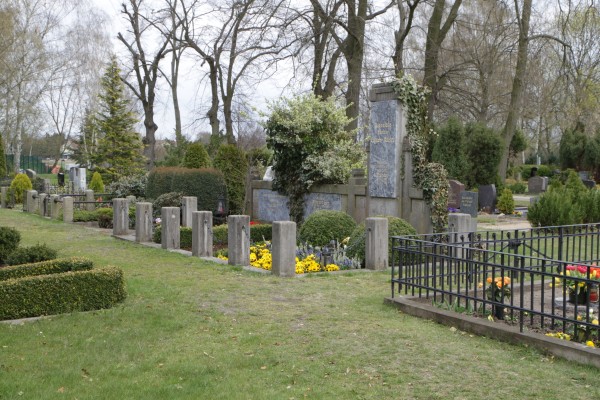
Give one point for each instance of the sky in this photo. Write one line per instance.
(193, 95)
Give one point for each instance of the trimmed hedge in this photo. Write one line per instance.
(258, 233)
(207, 185)
(32, 254)
(46, 267)
(185, 236)
(325, 225)
(61, 293)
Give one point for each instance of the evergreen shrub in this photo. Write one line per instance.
(32, 254)
(506, 203)
(96, 184)
(19, 185)
(105, 217)
(231, 161)
(323, 226)
(133, 185)
(46, 267)
(196, 156)
(396, 227)
(61, 293)
(185, 236)
(9, 241)
(207, 185)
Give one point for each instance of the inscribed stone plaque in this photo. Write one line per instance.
(272, 206)
(487, 197)
(322, 201)
(469, 203)
(535, 185)
(584, 175)
(454, 191)
(383, 157)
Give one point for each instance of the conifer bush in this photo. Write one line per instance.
(9, 241)
(19, 185)
(506, 203)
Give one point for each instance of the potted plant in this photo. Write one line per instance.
(578, 289)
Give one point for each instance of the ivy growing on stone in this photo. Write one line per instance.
(430, 177)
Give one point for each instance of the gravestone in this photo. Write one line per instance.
(78, 179)
(272, 206)
(537, 184)
(454, 191)
(31, 174)
(589, 183)
(384, 155)
(322, 201)
(584, 175)
(469, 203)
(61, 179)
(487, 198)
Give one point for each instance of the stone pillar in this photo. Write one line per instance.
(170, 222)
(459, 227)
(89, 196)
(67, 209)
(120, 216)
(3, 196)
(189, 204)
(238, 239)
(31, 202)
(143, 222)
(284, 248)
(376, 243)
(42, 204)
(55, 206)
(202, 239)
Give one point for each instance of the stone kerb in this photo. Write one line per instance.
(42, 204)
(120, 217)
(143, 222)
(189, 204)
(67, 203)
(202, 239)
(376, 244)
(284, 249)
(89, 196)
(238, 239)
(170, 222)
(31, 202)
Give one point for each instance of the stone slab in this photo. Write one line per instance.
(469, 203)
(454, 191)
(383, 150)
(487, 197)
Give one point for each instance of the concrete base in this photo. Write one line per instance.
(189, 204)
(376, 244)
(143, 222)
(170, 222)
(67, 209)
(202, 239)
(284, 248)
(238, 235)
(120, 216)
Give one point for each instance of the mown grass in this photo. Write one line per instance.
(192, 329)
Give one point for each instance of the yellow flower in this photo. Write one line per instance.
(590, 343)
(595, 322)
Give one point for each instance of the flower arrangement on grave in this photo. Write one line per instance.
(498, 288)
(577, 288)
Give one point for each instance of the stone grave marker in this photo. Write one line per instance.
(454, 191)
(469, 203)
(31, 174)
(487, 197)
(589, 183)
(584, 175)
(537, 184)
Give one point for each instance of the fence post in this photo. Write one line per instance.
(143, 222)
(284, 248)
(376, 243)
(202, 240)
(89, 196)
(67, 209)
(3, 196)
(238, 239)
(54, 206)
(120, 216)
(170, 222)
(189, 204)
(30, 204)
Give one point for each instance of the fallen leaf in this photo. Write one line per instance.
(61, 389)
(263, 367)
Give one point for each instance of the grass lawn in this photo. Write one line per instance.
(191, 329)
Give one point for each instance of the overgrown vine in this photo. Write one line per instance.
(432, 178)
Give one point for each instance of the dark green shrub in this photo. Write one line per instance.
(517, 187)
(542, 170)
(185, 236)
(231, 161)
(105, 217)
(207, 185)
(323, 226)
(558, 206)
(46, 267)
(19, 185)
(61, 293)
(220, 233)
(484, 149)
(506, 203)
(450, 149)
(396, 227)
(172, 199)
(261, 233)
(84, 216)
(9, 241)
(37, 253)
(196, 156)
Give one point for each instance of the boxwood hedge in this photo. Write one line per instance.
(46, 268)
(61, 293)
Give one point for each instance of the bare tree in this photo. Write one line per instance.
(406, 13)
(145, 68)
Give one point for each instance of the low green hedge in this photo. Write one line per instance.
(61, 293)
(46, 267)
(258, 233)
(185, 236)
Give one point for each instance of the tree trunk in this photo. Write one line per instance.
(174, 80)
(213, 111)
(516, 95)
(150, 138)
(227, 111)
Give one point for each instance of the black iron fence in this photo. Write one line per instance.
(542, 279)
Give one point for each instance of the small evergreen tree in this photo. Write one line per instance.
(196, 156)
(450, 150)
(231, 161)
(96, 184)
(484, 150)
(119, 151)
(572, 147)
